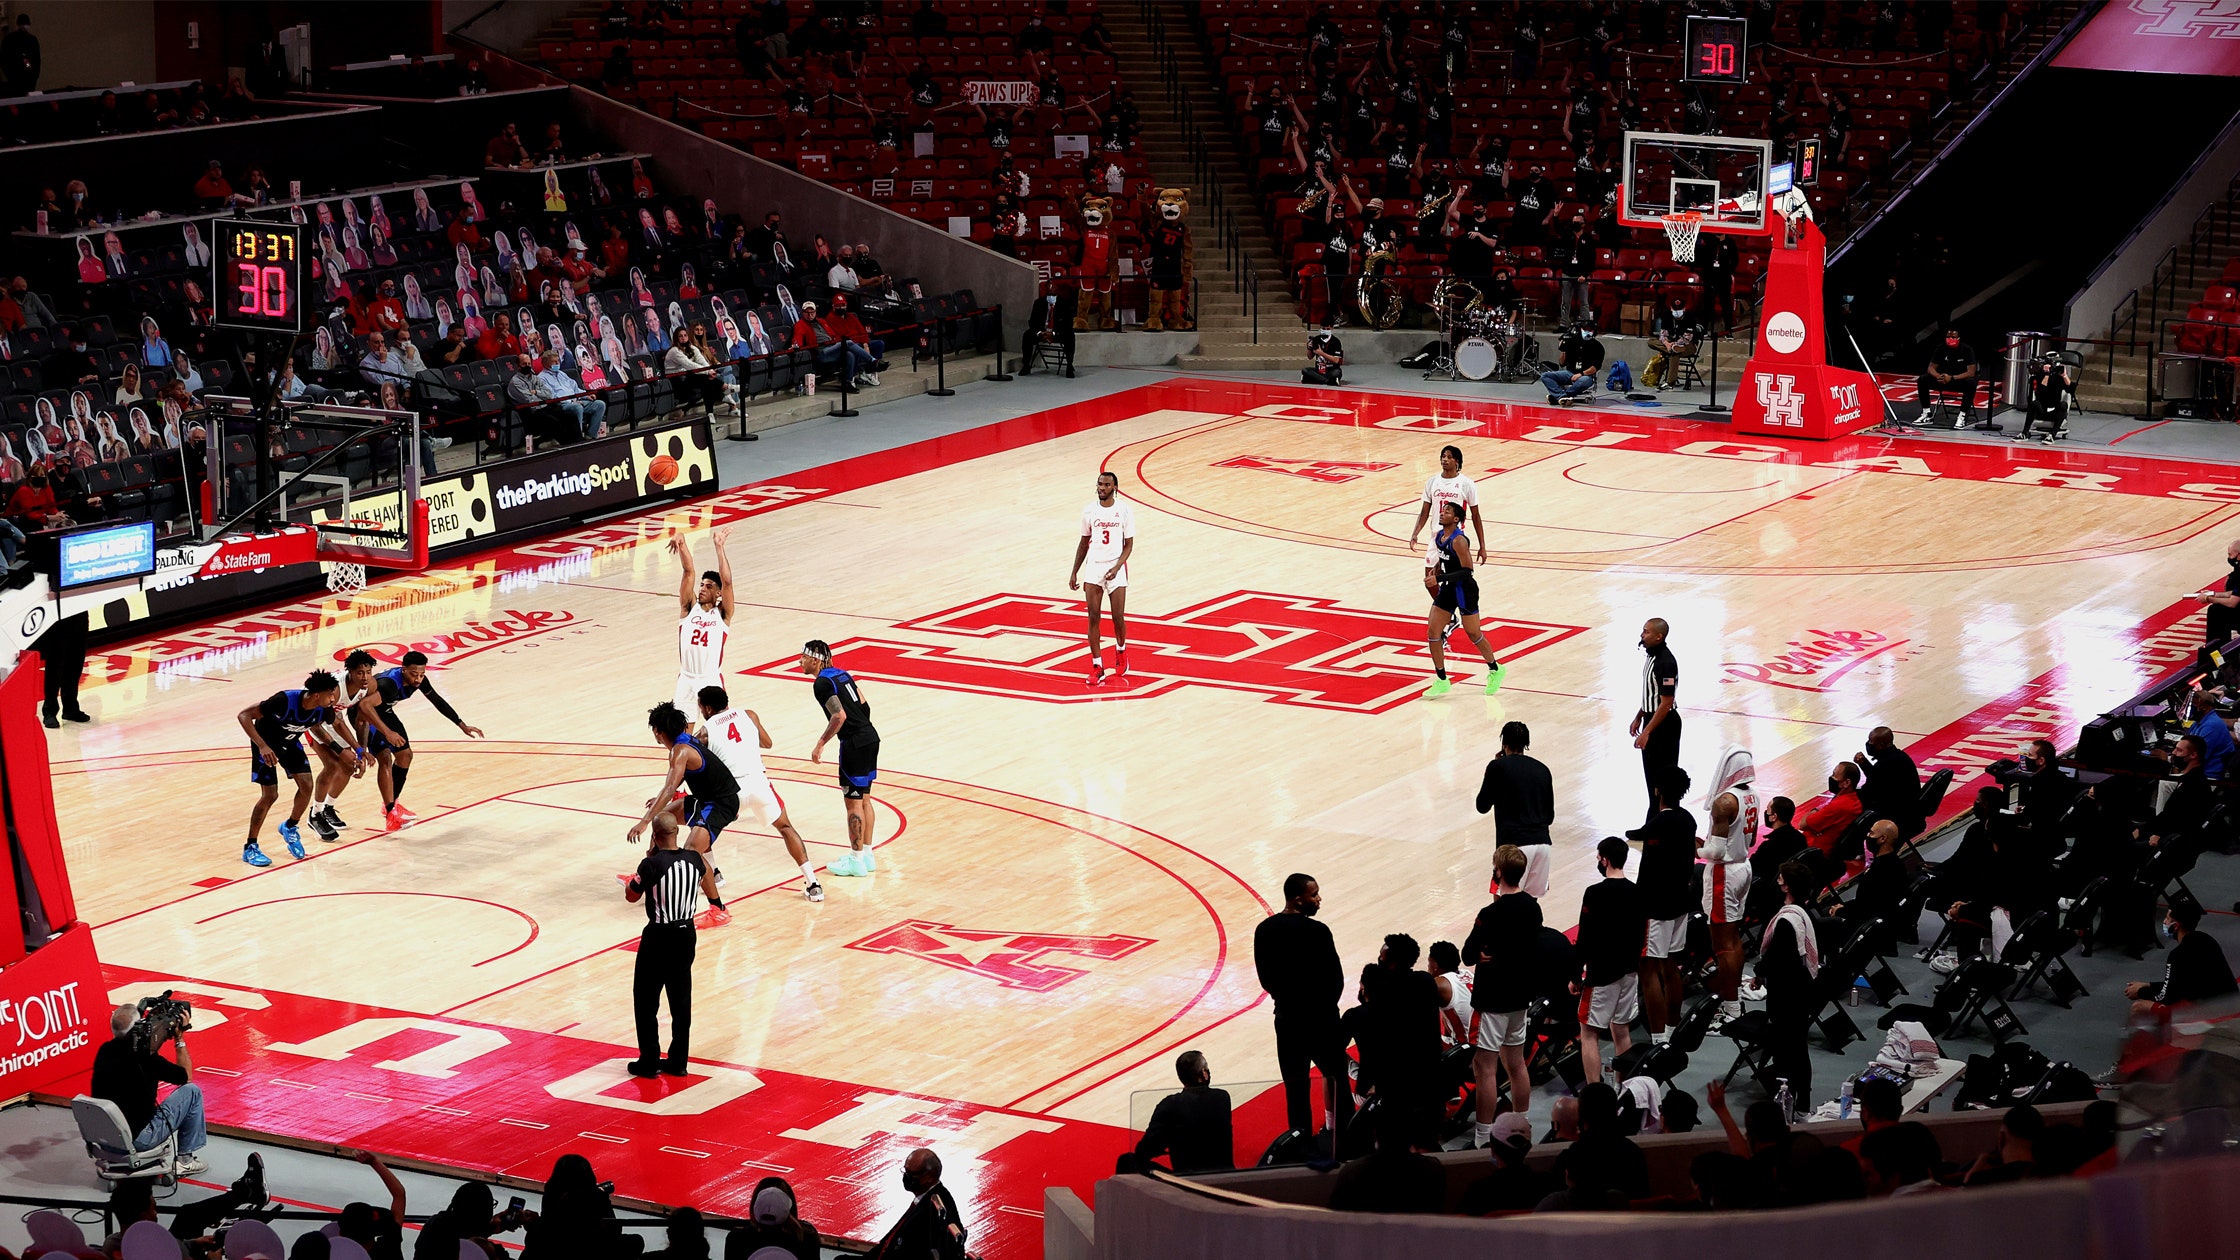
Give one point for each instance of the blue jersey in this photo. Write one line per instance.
(288, 711)
(713, 779)
(855, 725)
(1450, 564)
(394, 687)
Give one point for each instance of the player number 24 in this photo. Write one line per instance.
(700, 638)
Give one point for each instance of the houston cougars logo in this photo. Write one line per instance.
(1778, 395)
(1011, 959)
(2188, 19)
(1328, 471)
(1289, 648)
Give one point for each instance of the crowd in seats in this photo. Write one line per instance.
(1815, 899)
(873, 99)
(125, 110)
(1383, 127)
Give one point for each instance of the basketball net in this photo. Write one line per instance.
(1681, 229)
(345, 578)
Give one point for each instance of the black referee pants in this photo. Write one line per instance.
(664, 963)
(1660, 754)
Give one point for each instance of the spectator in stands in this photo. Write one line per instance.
(575, 1218)
(1788, 966)
(36, 312)
(2178, 824)
(1826, 824)
(380, 365)
(385, 312)
(1298, 967)
(1394, 1177)
(505, 148)
(1572, 255)
(72, 365)
(589, 414)
(1951, 369)
(930, 1227)
(19, 58)
(1900, 1160)
(1512, 1186)
(2196, 970)
(2013, 1157)
(1603, 1168)
(534, 400)
(621, 70)
(1581, 370)
(842, 274)
(1882, 888)
(774, 1222)
(293, 388)
(1191, 1127)
(687, 1236)
(1504, 934)
(452, 349)
(212, 190)
(1613, 929)
(871, 277)
(471, 1217)
(1893, 786)
(497, 340)
(1673, 334)
(865, 353)
(126, 1073)
(2210, 729)
(1050, 323)
(553, 148)
(692, 373)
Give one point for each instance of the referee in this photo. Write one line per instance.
(1656, 724)
(669, 881)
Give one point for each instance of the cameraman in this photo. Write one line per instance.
(1582, 364)
(126, 1074)
(2048, 404)
(1329, 359)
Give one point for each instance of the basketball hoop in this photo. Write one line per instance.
(344, 578)
(1681, 228)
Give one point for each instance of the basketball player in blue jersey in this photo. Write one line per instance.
(847, 717)
(385, 734)
(276, 728)
(1454, 593)
(711, 803)
(345, 758)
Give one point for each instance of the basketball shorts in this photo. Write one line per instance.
(859, 765)
(1668, 938)
(1092, 574)
(688, 694)
(759, 804)
(288, 753)
(1726, 885)
(1498, 1029)
(376, 742)
(710, 813)
(1620, 1000)
(1459, 596)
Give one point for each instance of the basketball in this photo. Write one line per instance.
(662, 470)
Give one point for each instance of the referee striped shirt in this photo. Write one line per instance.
(671, 880)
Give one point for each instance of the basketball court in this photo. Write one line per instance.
(1069, 877)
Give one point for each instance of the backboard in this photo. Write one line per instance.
(1721, 177)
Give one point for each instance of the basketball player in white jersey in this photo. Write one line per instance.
(1108, 538)
(1450, 486)
(704, 602)
(1726, 875)
(1454, 991)
(741, 753)
(347, 759)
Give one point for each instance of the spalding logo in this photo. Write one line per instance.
(1785, 332)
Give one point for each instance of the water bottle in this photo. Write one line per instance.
(1783, 1099)
(1843, 1110)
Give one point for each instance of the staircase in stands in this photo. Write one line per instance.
(1224, 319)
(2121, 388)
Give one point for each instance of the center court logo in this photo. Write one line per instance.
(1785, 332)
(589, 481)
(505, 630)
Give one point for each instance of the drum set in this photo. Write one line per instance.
(1480, 341)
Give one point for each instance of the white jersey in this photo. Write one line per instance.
(1107, 529)
(1455, 1016)
(732, 738)
(701, 635)
(1438, 492)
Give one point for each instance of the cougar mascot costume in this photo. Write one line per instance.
(1098, 267)
(1171, 264)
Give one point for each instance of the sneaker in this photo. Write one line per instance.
(1494, 677)
(712, 917)
(404, 813)
(1946, 962)
(76, 715)
(872, 377)
(643, 1067)
(52, 723)
(393, 819)
(674, 1067)
(1751, 990)
(250, 1184)
(293, 838)
(1438, 687)
(814, 892)
(190, 1164)
(848, 864)
(1120, 662)
(868, 859)
(1553, 400)
(441, 443)
(334, 820)
(625, 877)
(319, 823)
(1096, 675)
(253, 855)
(719, 877)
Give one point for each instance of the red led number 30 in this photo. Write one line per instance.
(1718, 57)
(263, 290)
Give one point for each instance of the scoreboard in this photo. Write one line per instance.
(257, 275)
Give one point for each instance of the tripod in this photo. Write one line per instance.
(1442, 368)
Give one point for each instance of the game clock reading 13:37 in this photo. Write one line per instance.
(257, 277)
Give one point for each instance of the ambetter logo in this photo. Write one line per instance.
(1785, 332)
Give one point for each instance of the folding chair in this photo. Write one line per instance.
(109, 1141)
(1750, 1035)
(1661, 1063)
(1981, 984)
(2036, 954)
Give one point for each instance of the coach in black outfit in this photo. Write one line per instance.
(1656, 724)
(1298, 965)
(1518, 790)
(1191, 1128)
(1893, 786)
(669, 881)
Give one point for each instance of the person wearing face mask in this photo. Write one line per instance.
(1951, 372)
(1788, 965)
(73, 366)
(2047, 789)
(2209, 726)
(776, 1224)
(1826, 824)
(2223, 608)
(1672, 335)
(2196, 970)
(1297, 961)
(2177, 825)
(1893, 786)
(930, 1228)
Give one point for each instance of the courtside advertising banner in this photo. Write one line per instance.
(54, 1014)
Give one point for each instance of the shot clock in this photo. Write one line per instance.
(1717, 50)
(257, 275)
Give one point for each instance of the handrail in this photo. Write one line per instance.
(2129, 324)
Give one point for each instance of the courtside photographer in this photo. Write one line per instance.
(129, 1066)
(2047, 409)
(1326, 359)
